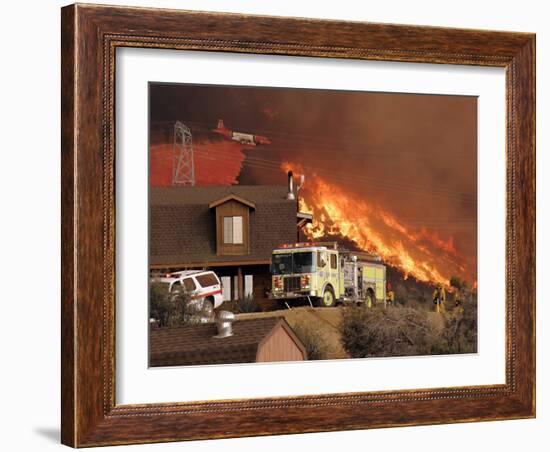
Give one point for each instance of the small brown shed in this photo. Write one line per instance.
(266, 339)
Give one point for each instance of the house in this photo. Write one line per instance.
(231, 230)
(264, 339)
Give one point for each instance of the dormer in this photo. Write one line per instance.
(232, 214)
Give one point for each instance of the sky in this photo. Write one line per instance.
(411, 156)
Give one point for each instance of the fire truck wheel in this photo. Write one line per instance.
(327, 300)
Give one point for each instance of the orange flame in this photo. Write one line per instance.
(375, 230)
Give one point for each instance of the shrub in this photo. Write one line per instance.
(175, 308)
(385, 332)
(358, 339)
(401, 294)
(246, 304)
(317, 345)
(160, 307)
(460, 332)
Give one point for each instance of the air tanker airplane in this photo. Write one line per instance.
(243, 138)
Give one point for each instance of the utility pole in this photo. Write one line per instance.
(183, 159)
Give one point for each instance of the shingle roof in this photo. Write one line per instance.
(196, 344)
(205, 195)
(183, 229)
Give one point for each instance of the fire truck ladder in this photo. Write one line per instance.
(183, 161)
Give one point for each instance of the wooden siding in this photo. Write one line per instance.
(279, 346)
(232, 208)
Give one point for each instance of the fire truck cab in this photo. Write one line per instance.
(325, 275)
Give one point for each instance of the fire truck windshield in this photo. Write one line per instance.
(281, 264)
(302, 262)
(284, 264)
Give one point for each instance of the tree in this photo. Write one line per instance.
(457, 283)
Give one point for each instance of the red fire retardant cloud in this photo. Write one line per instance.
(216, 163)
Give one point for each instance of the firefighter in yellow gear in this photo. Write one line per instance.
(458, 298)
(459, 307)
(439, 298)
(390, 296)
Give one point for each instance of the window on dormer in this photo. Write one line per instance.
(233, 230)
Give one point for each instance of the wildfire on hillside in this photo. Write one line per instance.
(416, 252)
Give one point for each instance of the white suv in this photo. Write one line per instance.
(202, 285)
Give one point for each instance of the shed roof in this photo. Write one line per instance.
(196, 344)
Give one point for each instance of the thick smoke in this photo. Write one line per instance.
(414, 155)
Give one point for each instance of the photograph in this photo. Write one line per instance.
(275, 221)
(290, 224)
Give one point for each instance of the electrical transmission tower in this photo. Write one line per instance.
(183, 163)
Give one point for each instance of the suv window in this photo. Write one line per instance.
(208, 279)
(189, 284)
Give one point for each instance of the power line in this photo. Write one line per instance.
(183, 160)
(267, 164)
